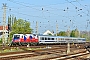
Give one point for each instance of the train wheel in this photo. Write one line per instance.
(34, 44)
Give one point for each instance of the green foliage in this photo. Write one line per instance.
(74, 33)
(50, 34)
(61, 33)
(83, 35)
(21, 26)
(0, 41)
(15, 19)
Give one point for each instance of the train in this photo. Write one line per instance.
(36, 39)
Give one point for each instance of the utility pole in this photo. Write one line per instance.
(36, 27)
(56, 28)
(68, 48)
(79, 33)
(68, 31)
(4, 24)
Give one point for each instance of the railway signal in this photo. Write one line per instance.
(9, 27)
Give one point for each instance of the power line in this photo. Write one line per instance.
(23, 4)
(83, 7)
(26, 14)
(76, 6)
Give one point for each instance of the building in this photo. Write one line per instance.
(1, 32)
(48, 33)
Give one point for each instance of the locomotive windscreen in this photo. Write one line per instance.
(16, 37)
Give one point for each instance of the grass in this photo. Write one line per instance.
(15, 49)
(10, 50)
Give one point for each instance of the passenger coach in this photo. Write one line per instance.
(59, 39)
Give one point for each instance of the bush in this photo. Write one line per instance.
(0, 41)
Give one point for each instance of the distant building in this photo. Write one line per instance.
(1, 32)
(48, 33)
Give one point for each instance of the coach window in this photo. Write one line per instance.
(52, 38)
(70, 39)
(45, 38)
(34, 35)
(66, 39)
(48, 38)
(59, 38)
(42, 38)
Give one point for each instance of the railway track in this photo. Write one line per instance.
(69, 56)
(55, 52)
(43, 46)
(55, 56)
(29, 54)
(40, 54)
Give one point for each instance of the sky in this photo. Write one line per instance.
(50, 14)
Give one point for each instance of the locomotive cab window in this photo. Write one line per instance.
(16, 36)
(22, 36)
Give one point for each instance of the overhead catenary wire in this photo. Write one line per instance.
(76, 6)
(83, 7)
(46, 11)
(26, 14)
(23, 4)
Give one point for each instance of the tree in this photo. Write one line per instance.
(21, 26)
(11, 20)
(62, 33)
(15, 19)
(74, 33)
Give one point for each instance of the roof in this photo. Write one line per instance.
(52, 36)
(1, 27)
(48, 32)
